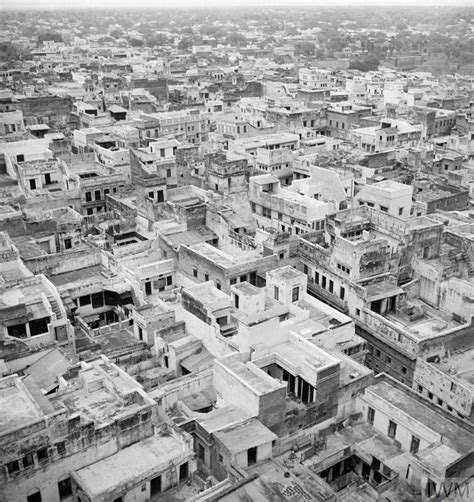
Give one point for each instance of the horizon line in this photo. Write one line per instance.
(252, 5)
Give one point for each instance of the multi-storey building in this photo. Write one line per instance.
(94, 440)
(284, 209)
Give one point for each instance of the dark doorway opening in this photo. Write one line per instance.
(251, 456)
(155, 485)
(183, 471)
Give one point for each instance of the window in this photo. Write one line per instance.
(316, 277)
(404, 370)
(42, 454)
(430, 395)
(377, 352)
(67, 244)
(20, 158)
(28, 460)
(169, 280)
(13, 467)
(420, 389)
(38, 326)
(243, 278)
(206, 277)
(233, 281)
(88, 196)
(392, 429)
(97, 195)
(370, 416)
(331, 286)
(33, 184)
(453, 387)
(64, 488)
(168, 173)
(400, 211)
(151, 195)
(342, 293)
(84, 300)
(236, 301)
(295, 295)
(323, 282)
(97, 300)
(195, 272)
(221, 458)
(414, 445)
(276, 293)
(218, 285)
(388, 359)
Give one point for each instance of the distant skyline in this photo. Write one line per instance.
(134, 4)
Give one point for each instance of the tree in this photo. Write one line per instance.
(235, 39)
(136, 42)
(305, 49)
(8, 51)
(370, 63)
(116, 33)
(49, 36)
(157, 40)
(185, 44)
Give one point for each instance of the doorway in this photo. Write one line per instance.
(155, 486)
(251, 456)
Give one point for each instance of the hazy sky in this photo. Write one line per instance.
(64, 4)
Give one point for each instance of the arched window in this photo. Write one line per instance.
(34, 495)
(64, 487)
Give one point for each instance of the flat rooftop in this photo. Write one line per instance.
(220, 258)
(425, 322)
(255, 142)
(79, 276)
(390, 186)
(18, 407)
(297, 356)
(130, 465)
(275, 482)
(421, 222)
(453, 435)
(207, 293)
(259, 383)
(221, 418)
(247, 289)
(286, 273)
(459, 365)
(242, 436)
(100, 393)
